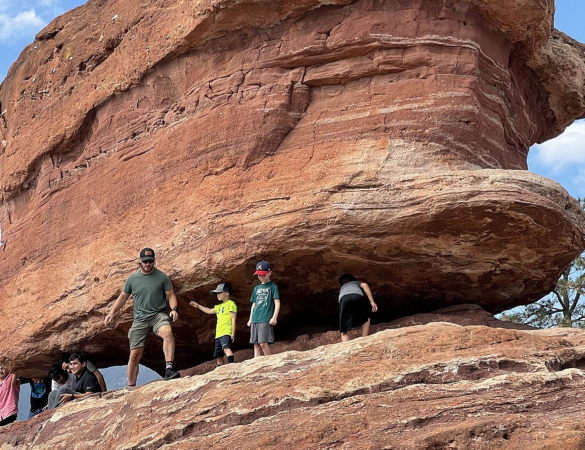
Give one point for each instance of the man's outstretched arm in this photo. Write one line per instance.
(117, 307)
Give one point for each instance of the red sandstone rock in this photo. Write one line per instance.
(379, 137)
(437, 386)
(465, 315)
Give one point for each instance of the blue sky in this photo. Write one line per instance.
(562, 159)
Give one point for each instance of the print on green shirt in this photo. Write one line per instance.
(263, 297)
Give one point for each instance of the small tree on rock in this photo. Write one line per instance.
(564, 306)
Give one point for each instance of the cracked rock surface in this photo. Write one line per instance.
(386, 138)
(426, 387)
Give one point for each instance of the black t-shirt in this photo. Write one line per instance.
(39, 392)
(87, 382)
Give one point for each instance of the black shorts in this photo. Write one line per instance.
(354, 310)
(221, 343)
(8, 420)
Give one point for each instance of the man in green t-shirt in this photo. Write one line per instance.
(225, 331)
(150, 289)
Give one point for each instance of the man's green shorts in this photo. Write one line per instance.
(138, 333)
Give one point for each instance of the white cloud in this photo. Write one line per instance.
(12, 7)
(23, 24)
(565, 151)
(49, 3)
(20, 20)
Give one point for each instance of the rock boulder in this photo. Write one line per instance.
(426, 387)
(386, 138)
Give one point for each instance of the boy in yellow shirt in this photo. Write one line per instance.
(225, 331)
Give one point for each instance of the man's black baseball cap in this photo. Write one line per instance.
(146, 254)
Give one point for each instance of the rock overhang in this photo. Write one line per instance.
(368, 136)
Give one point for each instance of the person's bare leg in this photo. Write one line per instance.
(166, 333)
(133, 365)
(366, 328)
(219, 361)
(229, 355)
(257, 351)
(345, 337)
(265, 348)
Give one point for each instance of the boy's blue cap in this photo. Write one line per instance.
(222, 287)
(262, 268)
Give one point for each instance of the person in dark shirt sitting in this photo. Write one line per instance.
(90, 366)
(84, 384)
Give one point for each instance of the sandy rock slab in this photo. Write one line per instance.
(382, 137)
(437, 386)
(464, 315)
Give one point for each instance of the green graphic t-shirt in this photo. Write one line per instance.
(263, 297)
(148, 292)
(224, 318)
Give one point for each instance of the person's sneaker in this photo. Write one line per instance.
(171, 374)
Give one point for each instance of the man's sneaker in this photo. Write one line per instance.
(171, 374)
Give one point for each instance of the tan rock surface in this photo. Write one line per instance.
(437, 386)
(465, 315)
(381, 137)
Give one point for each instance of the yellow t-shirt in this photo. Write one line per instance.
(224, 318)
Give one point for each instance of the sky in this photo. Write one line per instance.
(561, 159)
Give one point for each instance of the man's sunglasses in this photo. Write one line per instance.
(148, 261)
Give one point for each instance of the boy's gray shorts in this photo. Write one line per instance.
(138, 333)
(261, 333)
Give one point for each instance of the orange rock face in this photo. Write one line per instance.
(384, 138)
(437, 386)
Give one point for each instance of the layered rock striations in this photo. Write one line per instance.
(463, 315)
(437, 386)
(386, 138)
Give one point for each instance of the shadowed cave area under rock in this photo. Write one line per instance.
(303, 312)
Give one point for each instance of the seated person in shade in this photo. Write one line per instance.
(84, 383)
(40, 389)
(60, 378)
(90, 366)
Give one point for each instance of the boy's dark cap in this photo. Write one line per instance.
(146, 254)
(262, 268)
(222, 287)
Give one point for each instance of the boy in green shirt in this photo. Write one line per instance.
(225, 331)
(265, 308)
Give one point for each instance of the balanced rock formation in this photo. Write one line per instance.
(387, 138)
(431, 387)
